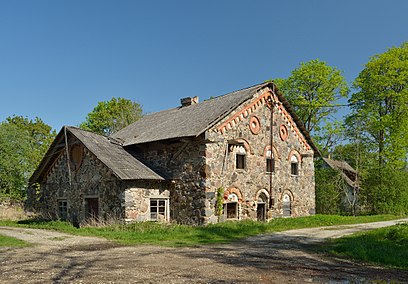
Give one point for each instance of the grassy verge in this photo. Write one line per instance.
(181, 235)
(11, 242)
(386, 246)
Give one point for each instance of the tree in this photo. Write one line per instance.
(111, 116)
(313, 89)
(329, 136)
(380, 119)
(23, 143)
(381, 105)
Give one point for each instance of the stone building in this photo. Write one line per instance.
(243, 155)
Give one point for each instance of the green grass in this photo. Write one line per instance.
(182, 235)
(385, 246)
(11, 242)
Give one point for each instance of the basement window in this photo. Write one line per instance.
(159, 209)
(63, 210)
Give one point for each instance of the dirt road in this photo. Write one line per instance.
(276, 258)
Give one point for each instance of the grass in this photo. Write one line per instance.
(182, 235)
(14, 213)
(385, 246)
(11, 242)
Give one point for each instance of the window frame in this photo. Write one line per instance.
(240, 165)
(161, 203)
(62, 212)
(294, 169)
(270, 165)
(227, 208)
(294, 166)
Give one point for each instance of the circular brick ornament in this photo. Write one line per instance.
(283, 132)
(254, 124)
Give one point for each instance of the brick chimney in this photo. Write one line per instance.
(189, 101)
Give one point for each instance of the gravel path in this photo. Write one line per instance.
(274, 258)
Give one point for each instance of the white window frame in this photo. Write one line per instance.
(294, 165)
(154, 214)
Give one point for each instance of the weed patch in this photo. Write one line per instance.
(11, 242)
(386, 246)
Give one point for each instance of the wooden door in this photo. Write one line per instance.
(92, 205)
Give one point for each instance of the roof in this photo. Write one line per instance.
(191, 121)
(123, 164)
(348, 173)
(183, 121)
(342, 165)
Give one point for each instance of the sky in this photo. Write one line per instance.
(58, 59)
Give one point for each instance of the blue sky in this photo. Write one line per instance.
(59, 58)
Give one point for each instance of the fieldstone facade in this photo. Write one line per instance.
(87, 190)
(241, 156)
(273, 188)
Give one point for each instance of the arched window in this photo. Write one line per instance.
(294, 165)
(231, 206)
(270, 162)
(240, 157)
(287, 205)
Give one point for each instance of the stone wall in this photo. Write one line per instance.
(90, 180)
(137, 196)
(253, 180)
(183, 163)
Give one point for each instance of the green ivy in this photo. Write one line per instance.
(220, 201)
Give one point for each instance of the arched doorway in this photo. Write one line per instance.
(261, 207)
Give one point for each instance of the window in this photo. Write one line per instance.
(62, 210)
(231, 207)
(294, 166)
(270, 165)
(287, 206)
(240, 162)
(231, 210)
(158, 209)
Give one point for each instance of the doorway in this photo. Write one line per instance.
(261, 207)
(92, 208)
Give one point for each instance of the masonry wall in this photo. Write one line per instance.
(91, 180)
(117, 200)
(137, 196)
(182, 162)
(248, 184)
